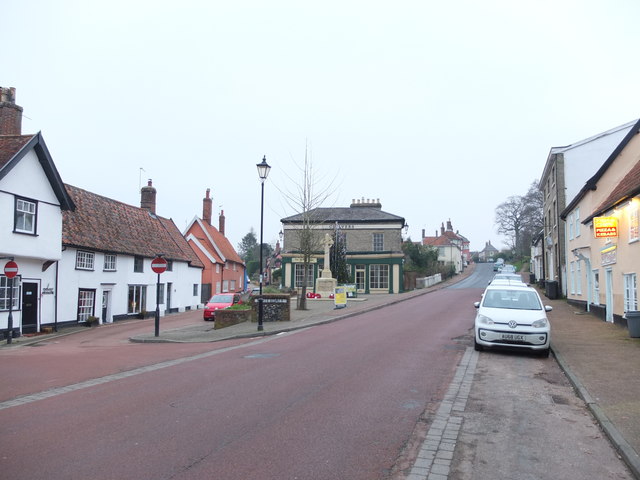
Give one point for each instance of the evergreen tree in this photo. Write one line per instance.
(338, 256)
(248, 247)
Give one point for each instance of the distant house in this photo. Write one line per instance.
(32, 201)
(224, 270)
(453, 249)
(373, 242)
(604, 261)
(272, 264)
(106, 262)
(489, 253)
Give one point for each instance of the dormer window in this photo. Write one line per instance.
(25, 216)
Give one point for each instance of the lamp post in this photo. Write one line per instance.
(263, 172)
(281, 235)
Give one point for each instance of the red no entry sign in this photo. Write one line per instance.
(158, 265)
(11, 269)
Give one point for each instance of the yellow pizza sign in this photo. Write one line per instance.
(605, 227)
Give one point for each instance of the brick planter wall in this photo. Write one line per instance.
(275, 308)
(226, 318)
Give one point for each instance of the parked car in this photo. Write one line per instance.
(218, 302)
(513, 317)
(510, 277)
(508, 269)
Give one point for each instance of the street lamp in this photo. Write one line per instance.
(263, 172)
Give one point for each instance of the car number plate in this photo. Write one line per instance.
(512, 336)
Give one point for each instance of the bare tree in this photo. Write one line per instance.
(534, 218)
(510, 219)
(305, 201)
(520, 218)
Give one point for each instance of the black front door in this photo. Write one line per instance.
(29, 307)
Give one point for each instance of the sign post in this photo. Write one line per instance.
(158, 265)
(10, 270)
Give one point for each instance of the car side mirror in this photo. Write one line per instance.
(476, 304)
(548, 308)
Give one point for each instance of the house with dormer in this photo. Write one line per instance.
(224, 270)
(108, 247)
(32, 201)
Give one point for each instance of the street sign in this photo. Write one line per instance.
(11, 269)
(158, 265)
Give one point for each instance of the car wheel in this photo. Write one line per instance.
(476, 346)
(545, 353)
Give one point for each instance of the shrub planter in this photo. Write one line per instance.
(228, 317)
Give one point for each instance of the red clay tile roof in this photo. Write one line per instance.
(10, 145)
(628, 187)
(447, 238)
(196, 232)
(223, 244)
(100, 223)
(440, 241)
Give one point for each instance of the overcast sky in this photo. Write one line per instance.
(441, 109)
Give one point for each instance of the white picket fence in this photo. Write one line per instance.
(427, 282)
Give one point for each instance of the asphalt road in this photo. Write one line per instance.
(334, 401)
(350, 399)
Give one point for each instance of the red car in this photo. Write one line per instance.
(220, 301)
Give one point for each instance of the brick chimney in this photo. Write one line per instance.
(442, 228)
(10, 113)
(148, 198)
(449, 226)
(207, 202)
(221, 222)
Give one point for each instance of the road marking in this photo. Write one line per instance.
(34, 397)
(435, 455)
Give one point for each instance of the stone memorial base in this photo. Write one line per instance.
(326, 286)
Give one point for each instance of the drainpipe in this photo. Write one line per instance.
(55, 303)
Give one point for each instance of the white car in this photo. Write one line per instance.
(508, 277)
(512, 316)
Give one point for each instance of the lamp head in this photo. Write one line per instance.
(263, 169)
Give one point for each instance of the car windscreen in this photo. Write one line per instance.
(221, 299)
(511, 299)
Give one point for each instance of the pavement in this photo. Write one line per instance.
(600, 359)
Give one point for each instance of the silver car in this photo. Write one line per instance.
(512, 316)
